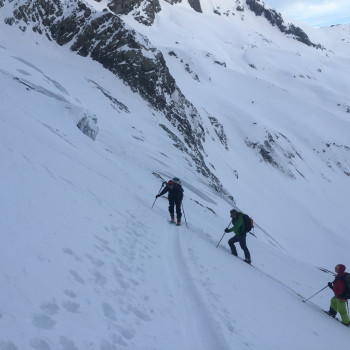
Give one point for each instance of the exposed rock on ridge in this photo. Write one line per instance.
(144, 11)
(276, 19)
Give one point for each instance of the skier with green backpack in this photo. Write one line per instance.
(241, 226)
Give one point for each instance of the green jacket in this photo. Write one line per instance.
(238, 225)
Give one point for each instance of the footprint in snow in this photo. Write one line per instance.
(71, 306)
(42, 321)
(126, 333)
(109, 312)
(99, 278)
(97, 262)
(77, 277)
(39, 344)
(70, 252)
(7, 345)
(70, 293)
(141, 315)
(116, 339)
(50, 308)
(67, 344)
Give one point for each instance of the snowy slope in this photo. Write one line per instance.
(87, 263)
(295, 95)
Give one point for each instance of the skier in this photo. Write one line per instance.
(175, 197)
(240, 235)
(338, 302)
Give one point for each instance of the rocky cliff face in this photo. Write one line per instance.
(130, 56)
(145, 11)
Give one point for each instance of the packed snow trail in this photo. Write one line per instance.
(198, 327)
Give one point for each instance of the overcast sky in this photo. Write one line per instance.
(316, 13)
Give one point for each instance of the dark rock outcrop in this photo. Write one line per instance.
(276, 19)
(144, 12)
(196, 5)
(88, 125)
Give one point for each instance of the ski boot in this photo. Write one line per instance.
(247, 261)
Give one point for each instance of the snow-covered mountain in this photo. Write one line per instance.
(100, 101)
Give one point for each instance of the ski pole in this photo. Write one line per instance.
(315, 294)
(184, 214)
(158, 193)
(223, 235)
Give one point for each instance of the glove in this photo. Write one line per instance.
(330, 285)
(157, 196)
(227, 230)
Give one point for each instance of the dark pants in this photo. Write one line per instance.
(172, 203)
(242, 242)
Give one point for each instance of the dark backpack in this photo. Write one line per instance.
(248, 223)
(346, 280)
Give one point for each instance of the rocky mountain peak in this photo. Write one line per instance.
(258, 7)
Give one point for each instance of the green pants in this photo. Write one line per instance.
(340, 306)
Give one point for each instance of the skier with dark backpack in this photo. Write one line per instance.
(175, 196)
(341, 289)
(242, 224)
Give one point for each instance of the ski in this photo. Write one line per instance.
(249, 263)
(236, 256)
(315, 306)
(335, 318)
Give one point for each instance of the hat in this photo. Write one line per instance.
(340, 268)
(177, 180)
(233, 211)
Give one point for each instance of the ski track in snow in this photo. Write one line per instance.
(199, 320)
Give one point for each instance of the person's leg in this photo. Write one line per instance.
(231, 243)
(342, 311)
(243, 244)
(333, 309)
(171, 208)
(178, 210)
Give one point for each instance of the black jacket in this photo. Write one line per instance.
(176, 192)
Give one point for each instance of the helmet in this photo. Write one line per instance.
(340, 268)
(170, 183)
